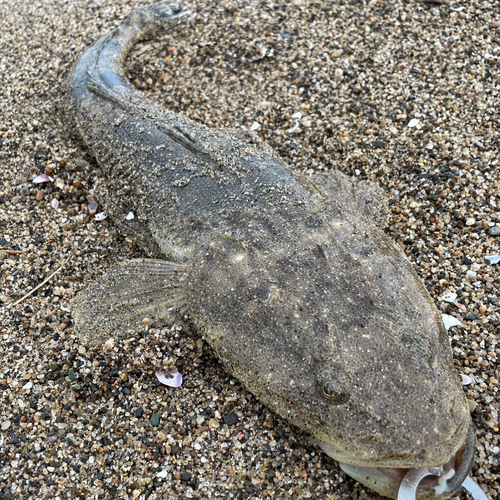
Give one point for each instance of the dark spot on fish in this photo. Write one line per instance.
(320, 325)
(320, 251)
(288, 264)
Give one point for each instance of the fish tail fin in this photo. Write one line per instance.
(105, 74)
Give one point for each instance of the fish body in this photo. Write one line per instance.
(288, 278)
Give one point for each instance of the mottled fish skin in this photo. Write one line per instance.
(290, 281)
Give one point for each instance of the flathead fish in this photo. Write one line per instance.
(288, 278)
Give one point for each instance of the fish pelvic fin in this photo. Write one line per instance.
(115, 304)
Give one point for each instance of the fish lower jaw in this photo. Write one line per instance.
(387, 480)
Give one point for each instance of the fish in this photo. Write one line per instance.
(288, 278)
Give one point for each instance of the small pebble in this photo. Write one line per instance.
(379, 144)
(155, 419)
(161, 437)
(231, 419)
(93, 207)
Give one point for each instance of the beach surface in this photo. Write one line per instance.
(404, 93)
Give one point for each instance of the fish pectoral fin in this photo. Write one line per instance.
(116, 303)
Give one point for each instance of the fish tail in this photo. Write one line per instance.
(104, 65)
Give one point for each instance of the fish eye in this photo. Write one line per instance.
(333, 391)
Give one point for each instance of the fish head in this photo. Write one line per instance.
(333, 330)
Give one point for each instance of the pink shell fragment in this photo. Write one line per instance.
(42, 178)
(55, 203)
(173, 379)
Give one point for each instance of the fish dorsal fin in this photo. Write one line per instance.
(360, 198)
(115, 304)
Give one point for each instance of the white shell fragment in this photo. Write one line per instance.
(294, 128)
(173, 379)
(492, 259)
(255, 126)
(130, 216)
(100, 216)
(163, 474)
(55, 203)
(466, 380)
(448, 297)
(473, 489)
(297, 116)
(263, 52)
(413, 122)
(450, 321)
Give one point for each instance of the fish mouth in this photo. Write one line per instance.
(387, 480)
